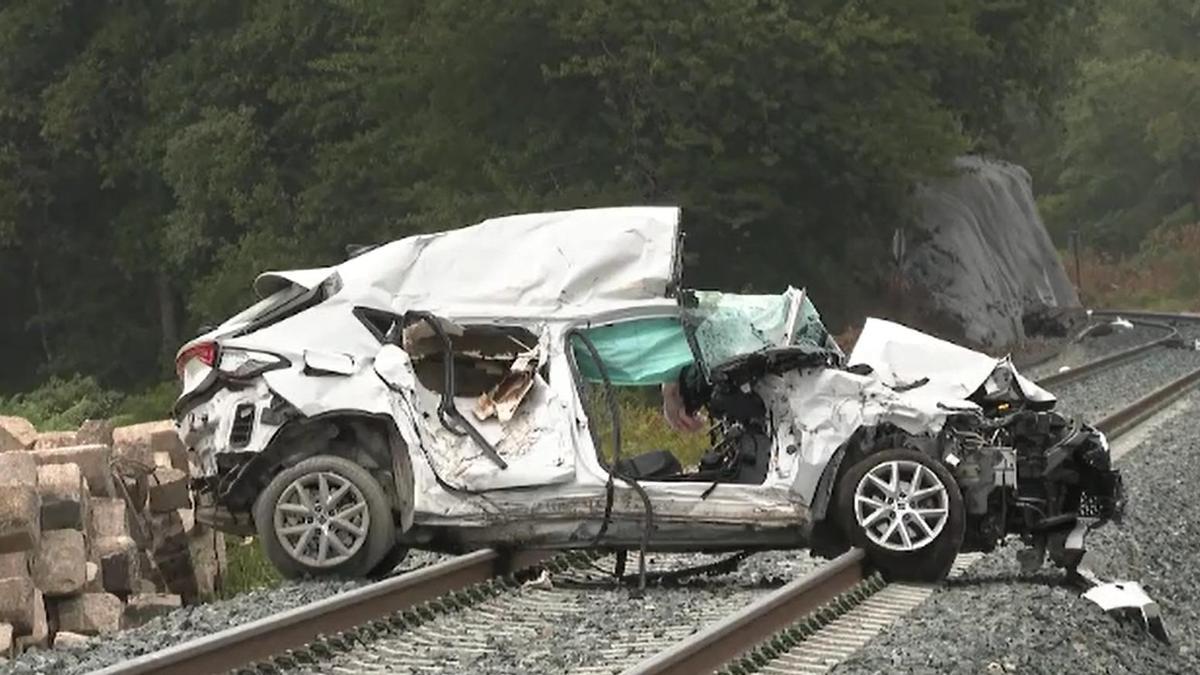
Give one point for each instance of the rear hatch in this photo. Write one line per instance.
(284, 294)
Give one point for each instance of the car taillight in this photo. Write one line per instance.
(205, 351)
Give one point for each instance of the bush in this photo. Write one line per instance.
(152, 403)
(1164, 274)
(63, 404)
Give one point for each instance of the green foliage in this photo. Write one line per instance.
(248, 568)
(148, 405)
(155, 157)
(62, 404)
(643, 427)
(1129, 159)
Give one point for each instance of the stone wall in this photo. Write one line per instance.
(97, 532)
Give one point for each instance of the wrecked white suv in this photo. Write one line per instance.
(459, 390)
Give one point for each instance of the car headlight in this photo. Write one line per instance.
(246, 363)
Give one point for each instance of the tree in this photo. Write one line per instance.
(156, 157)
(1130, 159)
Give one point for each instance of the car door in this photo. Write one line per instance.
(481, 407)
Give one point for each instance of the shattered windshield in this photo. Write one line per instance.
(723, 326)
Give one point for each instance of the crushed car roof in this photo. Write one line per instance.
(586, 259)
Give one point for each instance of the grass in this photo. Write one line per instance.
(248, 567)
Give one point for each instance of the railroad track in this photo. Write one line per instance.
(427, 619)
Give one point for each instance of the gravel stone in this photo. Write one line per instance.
(993, 620)
(1096, 396)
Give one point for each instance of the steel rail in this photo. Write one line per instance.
(1120, 421)
(708, 649)
(1112, 360)
(245, 644)
(1145, 314)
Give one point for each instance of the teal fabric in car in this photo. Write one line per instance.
(641, 352)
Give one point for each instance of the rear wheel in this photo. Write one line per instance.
(325, 516)
(906, 511)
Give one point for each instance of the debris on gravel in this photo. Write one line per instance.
(993, 620)
(1073, 354)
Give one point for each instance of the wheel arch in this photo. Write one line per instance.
(865, 440)
(372, 441)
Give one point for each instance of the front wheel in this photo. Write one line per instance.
(905, 510)
(325, 516)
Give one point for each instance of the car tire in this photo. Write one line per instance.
(346, 534)
(881, 516)
(389, 562)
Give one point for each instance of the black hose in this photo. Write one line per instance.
(612, 470)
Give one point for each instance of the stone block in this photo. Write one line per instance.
(95, 432)
(170, 529)
(18, 468)
(39, 633)
(93, 461)
(208, 560)
(93, 582)
(17, 603)
(19, 564)
(140, 442)
(108, 519)
(138, 489)
(65, 640)
(64, 497)
(47, 440)
(16, 433)
(90, 614)
(61, 566)
(119, 562)
(169, 490)
(20, 518)
(6, 640)
(145, 606)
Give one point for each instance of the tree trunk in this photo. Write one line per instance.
(40, 301)
(168, 323)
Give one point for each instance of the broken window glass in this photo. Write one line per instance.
(727, 325)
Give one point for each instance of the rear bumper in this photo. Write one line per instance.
(226, 421)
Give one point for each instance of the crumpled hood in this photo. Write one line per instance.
(901, 356)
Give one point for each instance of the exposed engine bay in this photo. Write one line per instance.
(1023, 469)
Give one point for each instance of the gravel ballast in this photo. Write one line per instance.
(992, 620)
(1073, 354)
(1104, 392)
(189, 623)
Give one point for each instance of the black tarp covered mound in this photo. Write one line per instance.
(983, 258)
